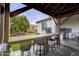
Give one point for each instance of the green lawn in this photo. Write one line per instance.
(31, 33)
(17, 46)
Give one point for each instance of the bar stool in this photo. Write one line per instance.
(51, 43)
(25, 47)
(41, 44)
(57, 41)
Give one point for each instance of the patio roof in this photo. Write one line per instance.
(53, 9)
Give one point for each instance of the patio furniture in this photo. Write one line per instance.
(73, 36)
(25, 48)
(39, 50)
(57, 41)
(51, 42)
(13, 40)
(77, 39)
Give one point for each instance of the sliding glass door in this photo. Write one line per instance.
(66, 32)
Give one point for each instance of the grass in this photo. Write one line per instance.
(17, 46)
(31, 33)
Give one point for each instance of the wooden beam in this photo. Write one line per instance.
(69, 14)
(16, 12)
(54, 10)
(54, 20)
(70, 9)
(60, 9)
(47, 6)
(54, 7)
(57, 5)
(66, 19)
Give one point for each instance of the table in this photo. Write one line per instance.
(17, 39)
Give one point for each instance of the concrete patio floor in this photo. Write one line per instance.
(61, 51)
(73, 44)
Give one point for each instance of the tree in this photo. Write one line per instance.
(19, 24)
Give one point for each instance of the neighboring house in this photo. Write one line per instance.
(32, 28)
(46, 25)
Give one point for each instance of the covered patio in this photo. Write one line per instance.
(55, 10)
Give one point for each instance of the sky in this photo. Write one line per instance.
(32, 15)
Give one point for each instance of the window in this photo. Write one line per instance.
(44, 26)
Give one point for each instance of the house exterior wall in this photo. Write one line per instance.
(50, 24)
(72, 23)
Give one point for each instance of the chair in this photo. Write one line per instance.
(40, 51)
(57, 41)
(25, 47)
(51, 43)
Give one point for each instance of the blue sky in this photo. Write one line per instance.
(32, 14)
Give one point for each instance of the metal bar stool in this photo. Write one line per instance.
(40, 44)
(57, 41)
(24, 48)
(51, 43)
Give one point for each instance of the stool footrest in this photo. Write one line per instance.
(38, 52)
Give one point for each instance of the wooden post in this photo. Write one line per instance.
(1, 23)
(58, 26)
(58, 30)
(7, 25)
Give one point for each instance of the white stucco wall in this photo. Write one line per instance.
(73, 23)
(50, 23)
